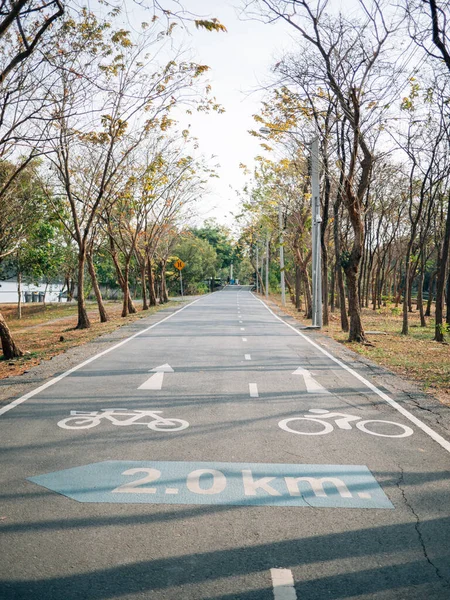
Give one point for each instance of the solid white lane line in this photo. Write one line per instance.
(86, 362)
(433, 434)
(248, 357)
(283, 584)
(244, 339)
(253, 389)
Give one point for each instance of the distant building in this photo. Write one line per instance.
(53, 292)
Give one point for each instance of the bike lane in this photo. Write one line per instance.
(233, 450)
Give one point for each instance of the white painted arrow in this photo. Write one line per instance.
(155, 381)
(312, 386)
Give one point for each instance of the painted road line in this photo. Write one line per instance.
(242, 328)
(283, 584)
(216, 483)
(54, 380)
(420, 424)
(155, 382)
(240, 321)
(312, 386)
(253, 389)
(244, 339)
(247, 357)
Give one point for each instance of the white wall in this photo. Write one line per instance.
(8, 291)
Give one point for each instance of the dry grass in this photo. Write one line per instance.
(45, 331)
(415, 356)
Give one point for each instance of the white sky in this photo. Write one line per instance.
(240, 63)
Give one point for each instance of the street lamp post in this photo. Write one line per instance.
(316, 221)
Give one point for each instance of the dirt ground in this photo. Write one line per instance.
(415, 356)
(45, 331)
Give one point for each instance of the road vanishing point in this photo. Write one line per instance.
(221, 454)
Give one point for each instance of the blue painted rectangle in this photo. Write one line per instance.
(217, 483)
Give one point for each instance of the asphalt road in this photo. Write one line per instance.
(200, 474)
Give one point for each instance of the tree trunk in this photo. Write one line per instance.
(298, 280)
(126, 293)
(290, 288)
(340, 279)
(83, 319)
(71, 292)
(423, 323)
(98, 295)
(325, 313)
(356, 332)
(411, 283)
(19, 295)
(332, 290)
(151, 282)
(447, 319)
(144, 287)
(308, 296)
(405, 325)
(442, 270)
(164, 295)
(9, 347)
(342, 303)
(351, 266)
(430, 293)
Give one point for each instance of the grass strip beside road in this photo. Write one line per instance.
(46, 331)
(415, 356)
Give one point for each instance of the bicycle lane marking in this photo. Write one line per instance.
(88, 419)
(54, 380)
(420, 424)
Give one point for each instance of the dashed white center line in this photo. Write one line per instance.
(283, 584)
(248, 357)
(253, 388)
(244, 339)
(240, 321)
(242, 328)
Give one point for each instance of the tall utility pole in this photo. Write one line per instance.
(267, 267)
(283, 287)
(257, 269)
(316, 221)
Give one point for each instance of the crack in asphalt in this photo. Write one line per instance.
(399, 483)
(435, 414)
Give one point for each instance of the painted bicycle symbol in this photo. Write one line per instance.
(342, 421)
(151, 418)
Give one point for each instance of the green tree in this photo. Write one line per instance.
(200, 259)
